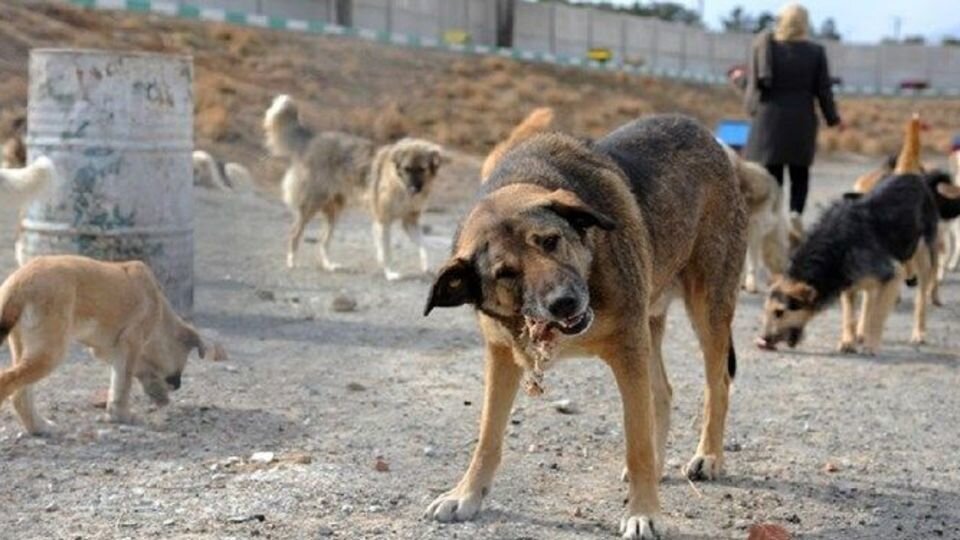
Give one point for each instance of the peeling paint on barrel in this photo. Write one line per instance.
(119, 127)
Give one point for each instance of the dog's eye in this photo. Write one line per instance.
(777, 313)
(550, 243)
(506, 272)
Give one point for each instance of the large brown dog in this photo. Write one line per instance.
(578, 250)
(115, 309)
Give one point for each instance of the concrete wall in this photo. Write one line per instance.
(572, 31)
(320, 10)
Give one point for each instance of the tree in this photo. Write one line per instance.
(667, 11)
(828, 30)
(915, 40)
(950, 41)
(735, 22)
(742, 22)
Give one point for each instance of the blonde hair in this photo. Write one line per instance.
(793, 23)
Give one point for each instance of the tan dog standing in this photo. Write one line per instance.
(767, 235)
(560, 258)
(115, 309)
(400, 182)
(329, 169)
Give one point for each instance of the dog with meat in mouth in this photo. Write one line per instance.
(577, 249)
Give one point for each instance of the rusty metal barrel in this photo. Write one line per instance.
(119, 127)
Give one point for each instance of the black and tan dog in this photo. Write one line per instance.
(861, 243)
(577, 250)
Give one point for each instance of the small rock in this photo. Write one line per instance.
(298, 458)
(52, 507)
(741, 524)
(245, 518)
(99, 399)
(169, 523)
(565, 406)
(265, 295)
(532, 449)
(429, 451)
(356, 387)
(733, 446)
(381, 465)
(347, 508)
(262, 457)
(830, 467)
(324, 531)
(768, 531)
(373, 509)
(343, 304)
(577, 512)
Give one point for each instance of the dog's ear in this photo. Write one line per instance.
(191, 340)
(800, 294)
(457, 283)
(950, 191)
(579, 214)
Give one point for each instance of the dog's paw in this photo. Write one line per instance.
(118, 417)
(454, 506)
(847, 347)
(918, 338)
(704, 467)
(750, 285)
(392, 275)
(291, 261)
(41, 428)
(642, 527)
(331, 266)
(624, 476)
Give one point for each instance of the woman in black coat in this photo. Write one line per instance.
(786, 73)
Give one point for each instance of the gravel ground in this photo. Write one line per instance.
(826, 445)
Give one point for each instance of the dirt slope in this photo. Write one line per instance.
(467, 103)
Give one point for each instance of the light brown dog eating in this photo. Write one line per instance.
(115, 309)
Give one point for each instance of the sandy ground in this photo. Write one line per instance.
(329, 392)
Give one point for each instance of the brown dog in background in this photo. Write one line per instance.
(540, 120)
(115, 309)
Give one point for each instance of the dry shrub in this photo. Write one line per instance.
(456, 134)
(498, 80)
(872, 146)
(463, 68)
(213, 122)
(559, 97)
(391, 124)
(498, 63)
(850, 141)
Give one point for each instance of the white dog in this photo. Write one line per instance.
(767, 236)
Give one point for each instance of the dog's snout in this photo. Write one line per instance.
(174, 381)
(564, 307)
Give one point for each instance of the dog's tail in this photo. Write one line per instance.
(909, 159)
(732, 359)
(25, 183)
(538, 121)
(285, 135)
(211, 171)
